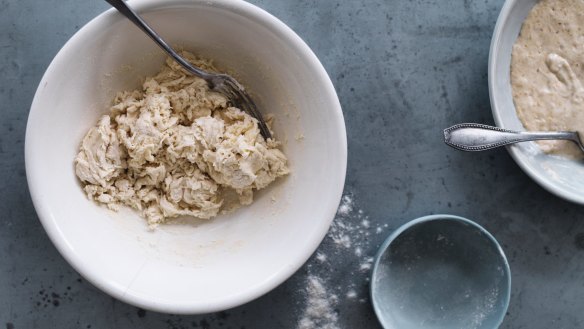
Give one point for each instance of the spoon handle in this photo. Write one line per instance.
(478, 137)
(125, 10)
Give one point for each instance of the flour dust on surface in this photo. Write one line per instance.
(338, 273)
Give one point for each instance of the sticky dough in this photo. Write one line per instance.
(547, 71)
(176, 148)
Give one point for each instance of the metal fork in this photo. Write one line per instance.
(221, 83)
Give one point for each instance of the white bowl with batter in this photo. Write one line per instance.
(560, 175)
(190, 266)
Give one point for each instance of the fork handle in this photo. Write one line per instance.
(478, 137)
(125, 10)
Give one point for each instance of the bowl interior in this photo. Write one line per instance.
(192, 266)
(441, 272)
(554, 173)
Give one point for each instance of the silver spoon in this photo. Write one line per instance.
(477, 137)
(221, 83)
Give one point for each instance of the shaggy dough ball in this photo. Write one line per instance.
(176, 148)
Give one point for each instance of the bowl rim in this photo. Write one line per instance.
(406, 226)
(260, 16)
(514, 151)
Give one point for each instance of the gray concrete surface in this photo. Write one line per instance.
(404, 70)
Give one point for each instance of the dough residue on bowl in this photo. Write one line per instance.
(547, 67)
(175, 148)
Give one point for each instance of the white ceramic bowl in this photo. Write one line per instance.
(561, 176)
(211, 265)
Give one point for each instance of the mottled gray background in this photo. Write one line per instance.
(404, 70)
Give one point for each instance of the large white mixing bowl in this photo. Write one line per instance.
(203, 266)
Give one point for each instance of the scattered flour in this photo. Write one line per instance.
(366, 264)
(319, 312)
(485, 308)
(351, 294)
(343, 240)
(346, 206)
(349, 239)
(351, 227)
